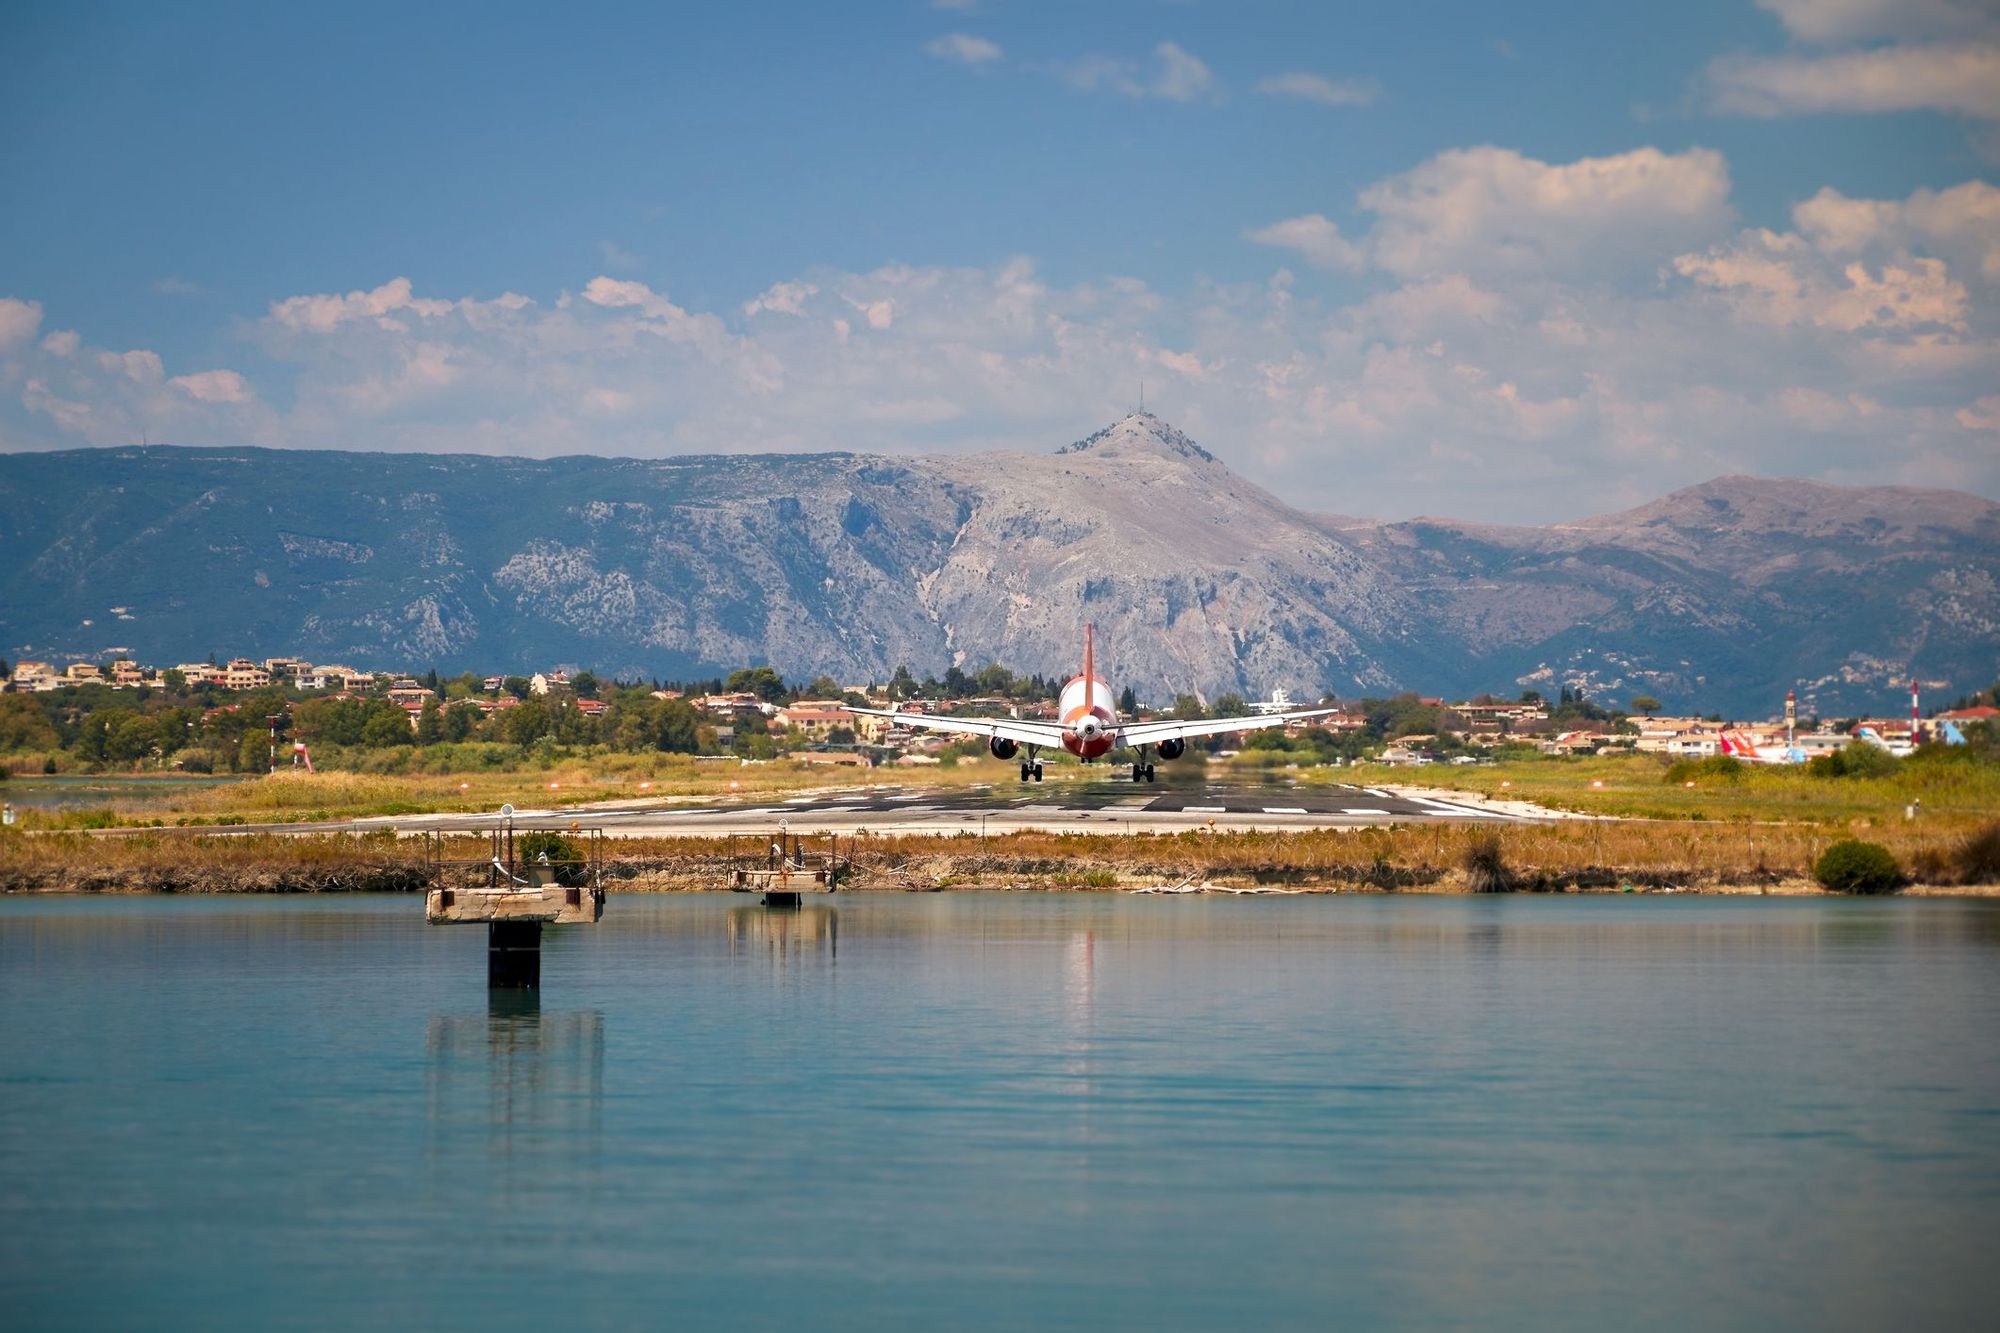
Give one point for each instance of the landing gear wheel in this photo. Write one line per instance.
(1149, 772)
(1024, 772)
(1138, 772)
(1038, 772)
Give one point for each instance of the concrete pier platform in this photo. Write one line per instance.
(549, 904)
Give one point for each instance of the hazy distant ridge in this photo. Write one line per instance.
(1723, 593)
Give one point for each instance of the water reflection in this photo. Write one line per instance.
(535, 1080)
(785, 935)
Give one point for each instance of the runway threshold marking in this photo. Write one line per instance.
(1363, 810)
(1204, 809)
(1284, 810)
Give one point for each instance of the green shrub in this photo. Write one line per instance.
(565, 856)
(1853, 866)
(1717, 767)
(1859, 760)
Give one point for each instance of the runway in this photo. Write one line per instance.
(1058, 807)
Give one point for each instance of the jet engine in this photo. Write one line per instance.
(1172, 748)
(1003, 748)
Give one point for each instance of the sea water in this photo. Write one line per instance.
(1004, 1111)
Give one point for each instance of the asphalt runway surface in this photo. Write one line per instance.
(1072, 806)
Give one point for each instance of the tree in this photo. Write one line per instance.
(902, 685)
(824, 687)
(761, 681)
(387, 725)
(1188, 708)
(516, 686)
(430, 723)
(584, 683)
(1231, 705)
(1645, 703)
(173, 681)
(527, 724)
(24, 726)
(1128, 702)
(459, 719)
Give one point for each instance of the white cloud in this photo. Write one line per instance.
(1961, 223)
(1851, 20)
(783, 298)
(1313, 236)
(1778, 279)
(214, 386)
(1176, 76)
(1489, 209)
(18, 321)
(1959, 78)
(1487, 357)
(964, 48)
(1318, 88)
(617, 256)
(318, 314)
(1181, 77)
(63, 342)
(140, 366)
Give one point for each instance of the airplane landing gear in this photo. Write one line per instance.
(1142, 772)
(1031, 767)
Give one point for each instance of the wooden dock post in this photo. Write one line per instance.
(514, 955)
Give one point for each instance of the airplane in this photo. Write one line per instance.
(1090, 727)
(1901, 749)
(1738, 746)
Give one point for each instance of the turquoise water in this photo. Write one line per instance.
(1004, 1111)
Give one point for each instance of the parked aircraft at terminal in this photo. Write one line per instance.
(1087, 725)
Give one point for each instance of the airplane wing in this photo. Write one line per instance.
(1028, 731)
(1152, 733)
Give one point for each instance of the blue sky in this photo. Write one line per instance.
(1384, 259)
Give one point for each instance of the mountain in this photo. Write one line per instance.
(1724, 594)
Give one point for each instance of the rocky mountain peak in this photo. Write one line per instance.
(1141, 435)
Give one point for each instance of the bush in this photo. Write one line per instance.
(1853, 866)
(1859, 760)
(565, 856)
(1977, 859)
(1727, 768)
(1485, 868)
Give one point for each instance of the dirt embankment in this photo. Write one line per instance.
(373, 865)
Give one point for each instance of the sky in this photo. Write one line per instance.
(1510, 263)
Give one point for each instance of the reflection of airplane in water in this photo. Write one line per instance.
(517, 1068)
(1088, 725)
(794, 933)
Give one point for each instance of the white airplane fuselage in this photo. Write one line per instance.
(1089, 714)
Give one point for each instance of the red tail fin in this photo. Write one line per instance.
(1089, 657)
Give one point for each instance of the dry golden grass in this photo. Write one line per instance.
(1567, 855)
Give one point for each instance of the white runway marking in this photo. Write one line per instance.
(1363, 810)
(1284, 810)
(1204, 809)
